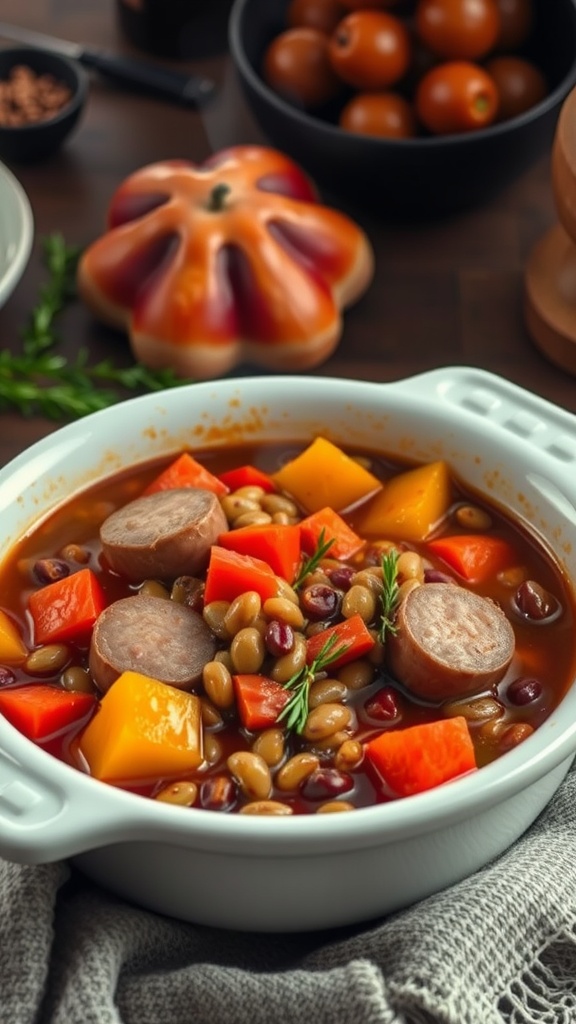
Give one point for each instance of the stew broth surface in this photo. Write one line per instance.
(545, 649)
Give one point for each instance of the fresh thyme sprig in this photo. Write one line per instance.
(39, 379)
(310, 564)
(388, 594)
(295, 712)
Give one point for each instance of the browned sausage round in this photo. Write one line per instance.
(163, 535)
(159, 638)
(449, 641)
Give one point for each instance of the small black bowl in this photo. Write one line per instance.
(414, 178)
(38, 139)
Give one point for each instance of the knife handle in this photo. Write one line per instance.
(174, 85)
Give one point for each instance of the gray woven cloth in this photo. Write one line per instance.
(498, 948)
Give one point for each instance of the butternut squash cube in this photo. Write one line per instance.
(13, 650)
(144, 729)
(410, 505)
(323, 475)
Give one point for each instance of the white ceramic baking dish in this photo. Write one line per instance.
(315, 871)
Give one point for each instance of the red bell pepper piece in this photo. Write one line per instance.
(276, 544)
(352, 636)
(259, 700)
(345, 542)
(476, 556)
(247, 476)
(68, 608)
(422, 756)
(40, 711)
(185, 471)
(230, 574)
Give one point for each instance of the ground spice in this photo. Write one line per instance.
(27, 97)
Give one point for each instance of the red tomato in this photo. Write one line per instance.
(456, 96)
(323, 15)
(458, 29)
(385, 114)
(370, 49)
(516, 20)
(296, 65)
(520, 85)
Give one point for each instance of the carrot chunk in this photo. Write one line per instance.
(345, 543)
(475, 557)
(68, 608)
(351, 637)
(40, 711)
(259, 700)
(423, 756)
(247, 476)
(185, 471)
(276, 544)
(231, 573)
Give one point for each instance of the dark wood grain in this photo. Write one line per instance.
(444, 293)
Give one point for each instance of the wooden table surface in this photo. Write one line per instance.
(444, 294)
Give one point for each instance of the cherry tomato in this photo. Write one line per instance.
(323, 15)
(370, 49)
(520, 85)
(456, 96)
(385, 114)
(296, 65)
(516, 20)
(458, 29)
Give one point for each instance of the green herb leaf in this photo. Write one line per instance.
(295, 712)
(39, 380)
(311, 563)
(388, 594)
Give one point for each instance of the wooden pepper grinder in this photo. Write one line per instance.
(550, 278)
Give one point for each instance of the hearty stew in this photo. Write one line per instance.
(281, 629)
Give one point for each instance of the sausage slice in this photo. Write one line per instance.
(159, 638)
(163, 535)
(449, 641)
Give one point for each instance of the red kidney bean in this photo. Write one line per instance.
(341, 577)
(375, 552)
(325, 784)
(48, 570)
(383, 706)
(279, 638)
(6, 676)
(218, 793)
(437, 576)
(534, 602)
(319, 601)
(524, 690)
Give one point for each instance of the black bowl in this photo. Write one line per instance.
(407, 178)
(38, 139)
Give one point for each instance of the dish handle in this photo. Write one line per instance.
(501, 405)
(42, 817)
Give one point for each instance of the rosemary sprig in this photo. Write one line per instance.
(40, 380)
(388, 594)
(311, 563)
(295, 712)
